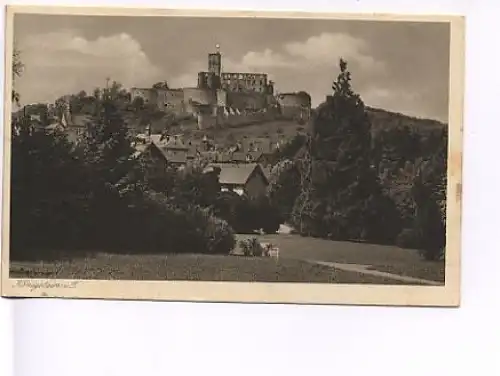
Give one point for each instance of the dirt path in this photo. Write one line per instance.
(364, 269)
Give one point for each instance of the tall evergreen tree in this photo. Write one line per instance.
(429, 193)
(17, 69)
(284, 187)
(107, 145)
(346, 200)
(115, 177)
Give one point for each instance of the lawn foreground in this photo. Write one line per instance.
(296, 263)
(383, 258)
(192, 268)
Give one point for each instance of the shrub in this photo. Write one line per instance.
(159, 225)
(407, 239)
(247, 215)
(267, 217)
(252, 247)
(429, 224)
(427, 236)
(382, 220)
(415, 239)
(219, 236)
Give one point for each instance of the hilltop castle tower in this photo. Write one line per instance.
(214, 78)
(214, 62)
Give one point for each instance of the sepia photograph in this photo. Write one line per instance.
(232, 156)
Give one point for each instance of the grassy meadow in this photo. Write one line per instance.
(295, 264)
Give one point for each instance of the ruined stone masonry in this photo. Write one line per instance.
(227, 99)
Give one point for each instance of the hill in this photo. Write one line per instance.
(279, 129)
(384, 120)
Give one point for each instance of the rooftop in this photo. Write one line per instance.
(235, 174)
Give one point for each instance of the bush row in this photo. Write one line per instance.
(58, 229)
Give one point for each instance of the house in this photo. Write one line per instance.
(161, 151)
(253, 156)
(148, 150)
(247, 178)
(175, 151)
(258, 144)
(239, 157)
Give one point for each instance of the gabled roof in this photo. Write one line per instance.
(267, 172)
(255, 155)
(207, 154)
(173, 158)
(155, 139)
(235, 174)
(223, 157)
(239, 156)
(175, 143)
(163, 149)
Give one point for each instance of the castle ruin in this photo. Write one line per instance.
(225, 99)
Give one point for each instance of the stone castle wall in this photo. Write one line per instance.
(295, 105)
(229, 118)
(148, 95)
(247, 100)
(172, 101)
(201, 96)
(220, 108)
(244, 82)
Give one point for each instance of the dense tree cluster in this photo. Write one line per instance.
(354, 183)
(67, 199)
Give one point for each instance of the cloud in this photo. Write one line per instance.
(320, 50)
(189, 78)
(328, 48)
(58, 63)
(264, 59)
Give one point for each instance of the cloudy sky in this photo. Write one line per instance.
(397, 66)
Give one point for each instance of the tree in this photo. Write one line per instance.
(17, 69)
(392, 148)
(116, 178)
(346, 199)
(304, 95)
(284, 187)
(48, 192)
(290, 149)
(428, 233)
(107, 144)
(161, 85)
(197, 187)
(138, 104)
(77, 102)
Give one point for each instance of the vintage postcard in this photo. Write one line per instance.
(265, 157)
